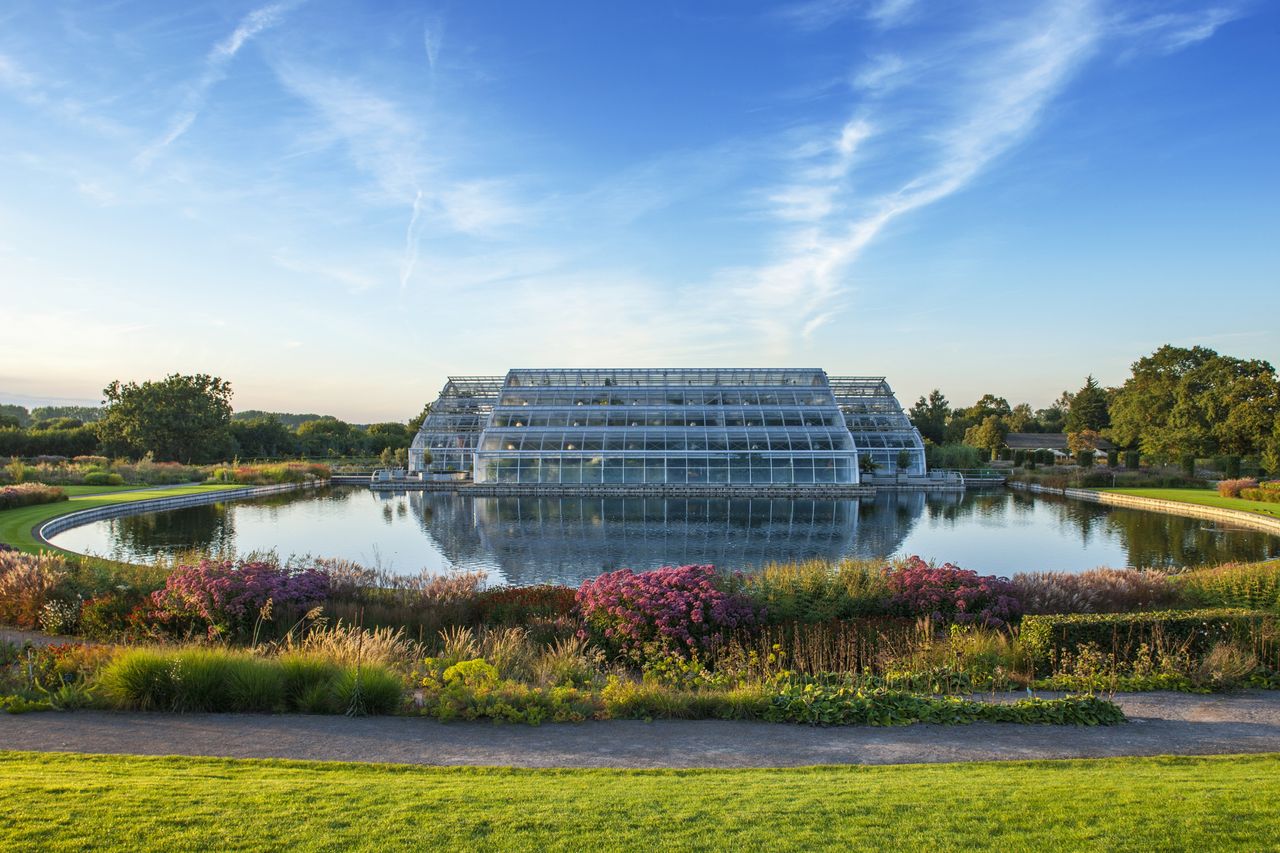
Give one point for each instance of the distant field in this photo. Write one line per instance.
(1204, 497)
(71, 802)
(16, 524)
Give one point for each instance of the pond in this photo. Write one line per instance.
(565, 540)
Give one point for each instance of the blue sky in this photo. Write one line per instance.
(335, 205)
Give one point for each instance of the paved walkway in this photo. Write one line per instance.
(1161, 723)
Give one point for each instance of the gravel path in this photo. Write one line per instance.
(1161, 723)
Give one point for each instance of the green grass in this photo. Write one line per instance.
(16, 524)
(69, 801)
(1204, 497)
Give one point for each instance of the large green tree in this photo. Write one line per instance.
(929, 415)
(988, 435)
(179, 419)
(1088, 408)
(1181, 401)
(329, 436)
(264, 436)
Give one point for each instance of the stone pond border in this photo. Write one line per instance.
(79, 518)
(1229, 516)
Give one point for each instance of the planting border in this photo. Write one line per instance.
(1230, 516)
(79, 518)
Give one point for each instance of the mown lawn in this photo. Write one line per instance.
(16, 524)
(1205, 497)
(68, 801)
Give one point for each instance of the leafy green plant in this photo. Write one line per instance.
(1247, 585)
(1049, 640)
(368, 689)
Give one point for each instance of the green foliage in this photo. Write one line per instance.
(818, 590)
(102, 478)
(988, 434)
(368, 689)
(307, 682)
(1194, 401)
(263, 437)
(953, 456)
(1252, 586)
(840, 702)
(930, 416)
(329, 437)
(213, 679)
(1088, 408)
(1050, 639)
(1132, 459)
(18, 415)
(179, 418)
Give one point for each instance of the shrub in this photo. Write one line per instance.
(60, 616)
(828, 702)
(1125, 637)
(1095, 591)
(307, 683)
(368, 689)
(1249, 585)
(1131, 460)
(683, 610)
(1189, 465)
(1232, 488)
(106, 617)
(212, 680)
(516, 605)
(223, 598)
(852, 645)
(422, 604)
(1266, 495)
(950, 594)
(818, 590)
(27, 583)
(29, 494)
(270, 474)
(102, 478)
(140, 679)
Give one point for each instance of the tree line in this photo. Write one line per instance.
(1176, 403)
(190, 419)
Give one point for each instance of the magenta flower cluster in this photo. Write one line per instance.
(228, 598)
(947, 593)
(682, 609)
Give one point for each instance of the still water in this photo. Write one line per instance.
(531, 540)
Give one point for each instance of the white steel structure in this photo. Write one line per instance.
(676, 426)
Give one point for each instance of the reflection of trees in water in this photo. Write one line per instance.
(207, 527)
(1156, 540)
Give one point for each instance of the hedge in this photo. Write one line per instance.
(1193, 632)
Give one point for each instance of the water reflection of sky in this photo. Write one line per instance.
(528, 540)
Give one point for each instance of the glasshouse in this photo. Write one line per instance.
(685, 427)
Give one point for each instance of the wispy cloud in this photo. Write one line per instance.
(214, 70)
(1168, 32)
(409, 262)
(433, 40)
(812, 15)
(972, 97)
